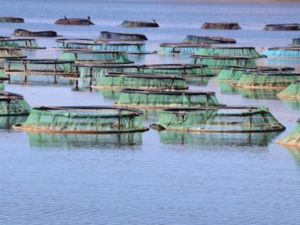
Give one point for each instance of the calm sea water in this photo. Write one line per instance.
(151, 178)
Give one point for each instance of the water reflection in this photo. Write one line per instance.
(226, 88)
(295, 152)
(293, 103)
(203, 81)
(84, 141)
(258, 93)
(109, 94)
(217, 139)
(280, 62)
(6, 122)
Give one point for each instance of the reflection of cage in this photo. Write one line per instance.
(218, 119)
(152, 99)
(38, 70)
(293, 138)
(20, 43)
(80, 119)
(12, 104)
(228, 51)
(222, 26)
(113, 80)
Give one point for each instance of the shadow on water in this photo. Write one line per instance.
(217, 139)
(84, 141)
(6, 122)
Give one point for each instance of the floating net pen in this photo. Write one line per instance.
(228, 51)
(38, 70)
(11, 53)
(269, 80)
(83, 120)
(128, 47)
(292, 91)
(293, 138)
(178, 48)
(130, 23)
(113, 80)
(208, 40)
(74, 44)
(282, 27)
(12, 104)
(285, 52)
(158, 99)
(28, 43)
(221, 26)
(218, 119)
(117, 36)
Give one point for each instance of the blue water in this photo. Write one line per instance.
(151, 178)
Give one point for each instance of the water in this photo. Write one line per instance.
(151, 178)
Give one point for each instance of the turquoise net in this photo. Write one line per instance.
(13, 104)
(291, 52)
(293, 138)
(292, 91)
(229, 51)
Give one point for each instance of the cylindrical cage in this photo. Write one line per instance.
(12, 104)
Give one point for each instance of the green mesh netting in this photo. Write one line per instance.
(184, 70)
(296, 41)
(96, 56)
(13, 104)
(217, 139)
(128, 47)
(6, 122)
(208, 40)
(11, 53)
(73, 45)
(83, 120)
(224, 119)
(292, 91)
(293, 138)
(166, 99)
(177, 49)
(275, 80)
(267, 94)
(229, 51)
(2, 73)
(107, 35)
(19, 43)
(2, 86)
(90, 141)
(141, 81)
(282, 52)
(227, 88)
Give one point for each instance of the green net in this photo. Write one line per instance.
(208, 40)
(14, 53)
(290, 52)
(2, 86)
(115, 36)
(184, 70)
(219, 119)
(296, 41)
(83, 120)
(273, 80)
(13, 104)
(137, 48)
(228, 51)
(178, 48)
(141, 81)
(250, 93)
(6, 122)
(293, 138)
(292, 91)
(96, 56)
(74, 43)
(19, 43)
(166, 99)
(227, 88)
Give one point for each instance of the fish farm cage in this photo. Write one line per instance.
(12, 104)
(113, 80)
(288, 52)
(74, 44)
(7, 19)
(161, 99)
(178, 48)
(232, 74)
(129, 48)
(293, 138)
(229, 51)
(292, 91)
(89, 56)
(266, 80)
(208, 40)
(39, 70)
(230, 119)
(28, 33)
(221, 26)
(282, 27)
(116, 36)
(11, 53)
(130, 23)
(27, 43)
(74, 21)
(83, 120)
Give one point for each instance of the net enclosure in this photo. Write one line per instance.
(293, 138)
(228, 51)
(28, 33)
(292, 91)
(222, 26)
(74, 21)
(74, 44)
(117, 36)
(266, 80)
(288, 52)
(12, 104)
(88, 56)
(83, 120)
(113, 80)
(178, 48)
(38, 70)
(27, 43)
(231, 119)
(130, 23)
(160, 99)
(7, 19)
(208, 40)
(232, 74)
(281, 27)
(11, 53)
(130, 48)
